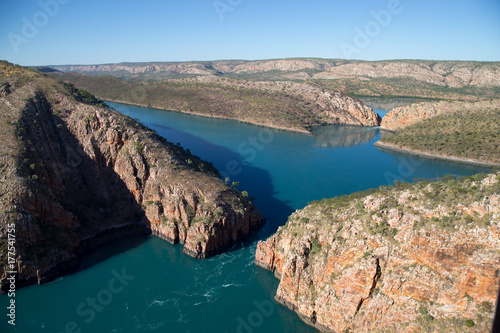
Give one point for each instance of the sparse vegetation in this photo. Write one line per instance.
(84, 96)
(402, 229)
(231, 98)
(424, 82)
(461, 134)
(469, 323)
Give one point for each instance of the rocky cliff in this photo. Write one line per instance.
(421, 257)
(328, 107)
(403, 116)
(455, 74)
(74, 175)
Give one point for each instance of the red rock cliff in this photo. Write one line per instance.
(415, 258)
(75, 175)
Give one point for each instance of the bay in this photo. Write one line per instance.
(144, 284)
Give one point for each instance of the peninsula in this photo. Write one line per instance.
(75, 174)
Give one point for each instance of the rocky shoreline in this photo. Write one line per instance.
(282, 105)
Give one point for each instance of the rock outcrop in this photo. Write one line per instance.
(332, 107)
(421, 257)
(75, 175)
(401, 117)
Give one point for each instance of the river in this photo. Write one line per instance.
(144, 284)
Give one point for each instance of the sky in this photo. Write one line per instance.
(58, 32)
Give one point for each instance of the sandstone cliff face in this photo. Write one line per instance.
(333, 106)
(413, 258)
(174, 68)
(404, 116)
(76, 175)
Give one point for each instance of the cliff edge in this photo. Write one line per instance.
(403, 116)
(406, 258)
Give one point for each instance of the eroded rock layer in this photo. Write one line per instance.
(419, 257)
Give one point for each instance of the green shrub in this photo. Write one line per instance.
(469, 323)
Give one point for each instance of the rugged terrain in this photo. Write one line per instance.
(403, 116)
(280, 104)
(74, 175)
(464, 130)
(421, 257)
(461, 80)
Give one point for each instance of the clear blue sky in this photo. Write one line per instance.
(110, 31)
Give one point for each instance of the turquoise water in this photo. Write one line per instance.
(143, 284)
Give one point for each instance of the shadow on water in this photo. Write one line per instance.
(256, 181)
(110, 249)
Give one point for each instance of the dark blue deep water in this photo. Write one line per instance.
(143, 284)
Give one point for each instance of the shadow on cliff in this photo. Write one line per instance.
(256, 181)
(74, 204)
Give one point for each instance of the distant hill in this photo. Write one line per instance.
(461, 80)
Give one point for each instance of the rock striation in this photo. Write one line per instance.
(75, 175)
(421, 257)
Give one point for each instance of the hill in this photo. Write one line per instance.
(280, 104)
(459, 80)
(75, 174)
(467, 131)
